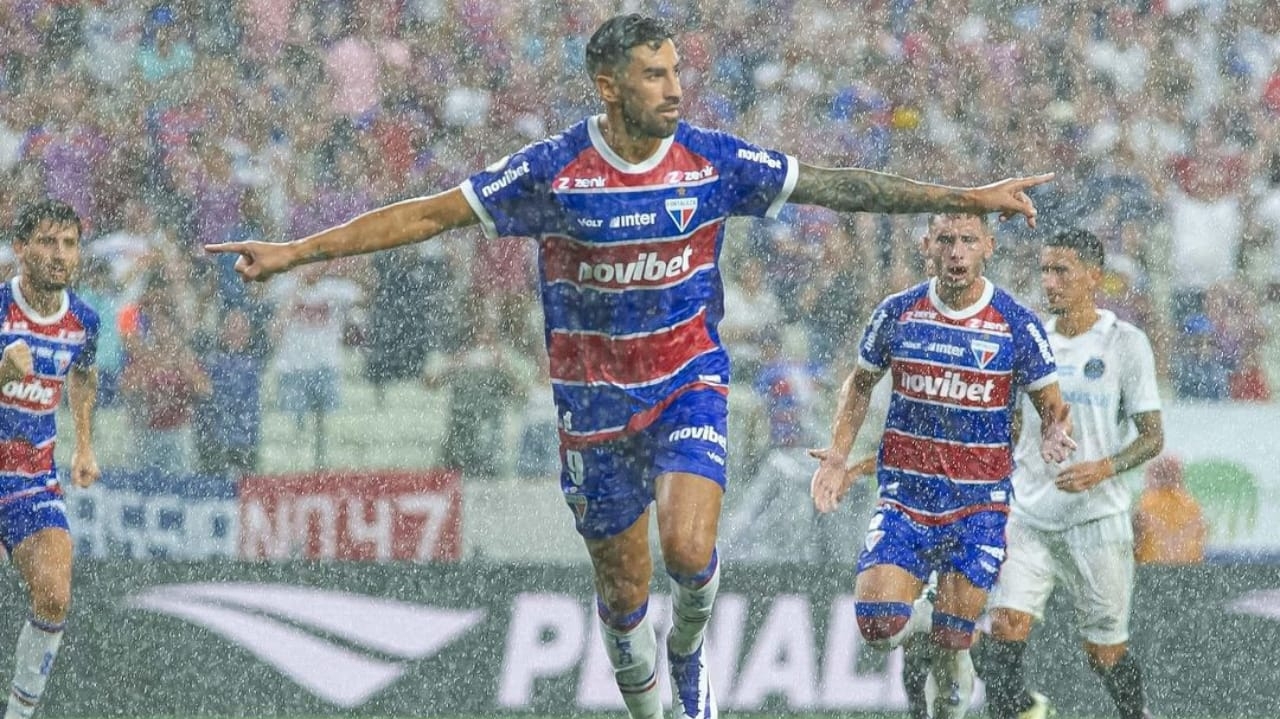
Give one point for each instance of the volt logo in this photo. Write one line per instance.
(341, 647)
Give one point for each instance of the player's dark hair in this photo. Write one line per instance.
(54, 211)
(609, 49)
(982, 218)
(1085, 243)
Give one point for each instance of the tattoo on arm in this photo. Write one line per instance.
(853, 189)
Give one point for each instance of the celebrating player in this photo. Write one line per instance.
(49, 337)
(628, 209)
(959, 349)
(1072, 524)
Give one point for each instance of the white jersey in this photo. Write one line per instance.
(1107, 375)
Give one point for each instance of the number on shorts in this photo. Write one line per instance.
(573, 460)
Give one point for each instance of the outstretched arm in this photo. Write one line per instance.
(833, 478)
(853, 189)
(394, 225)
(1055, 423)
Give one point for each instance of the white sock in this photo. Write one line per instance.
(691, 601)
(37, 646)
(633, 652)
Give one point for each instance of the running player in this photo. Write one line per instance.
(959, 349)
(628, 209)
(49, 337)
(1071, 525)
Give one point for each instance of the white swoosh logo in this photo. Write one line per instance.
(1263, 603)
(246, 614)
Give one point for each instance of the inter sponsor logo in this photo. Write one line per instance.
(949, 386)
(635, 219)
(509, 176)
(646, 267)
(761, 157)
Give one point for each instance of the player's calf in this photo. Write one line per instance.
(632, 647)
(999, 663)
(1123, 681)
(692, 596)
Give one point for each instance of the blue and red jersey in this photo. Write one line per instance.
(67, 338)
(946, 452)
(628, 261)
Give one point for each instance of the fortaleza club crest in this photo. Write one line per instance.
(682, 210)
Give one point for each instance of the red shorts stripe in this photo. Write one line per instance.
(937, 520)
(946, 459)
(638, 421)
(580, 357)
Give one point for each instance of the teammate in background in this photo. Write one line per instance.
(959, 350)
(49, 337)
(628, 209)
(1071, 525)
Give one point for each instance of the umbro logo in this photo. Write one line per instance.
(341, 647)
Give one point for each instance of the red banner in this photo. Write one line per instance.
(373, 516)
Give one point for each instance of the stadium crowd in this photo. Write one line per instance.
(170, 125)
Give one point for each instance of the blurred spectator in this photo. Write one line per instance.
(165, 381)
(773, 517)
(1168, 523)
(411, 313)
(1236, 316)
(228, 423)
(750, 308)
(311, 309)
(1201, 370)
(486, 378)
(98, 288)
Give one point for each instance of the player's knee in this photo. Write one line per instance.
(687, 554)
(51, 604)
(950, 632)
(620, 596)
(1008, 625)
(881, 622)
(1104, 656)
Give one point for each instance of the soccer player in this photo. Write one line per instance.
(1071, 524)
(959, 350)
(628, 209)
(49, 337)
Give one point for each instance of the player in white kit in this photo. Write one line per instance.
(1070, 523)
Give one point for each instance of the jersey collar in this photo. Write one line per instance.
(31, 314)
(963, 313)
(615, 160)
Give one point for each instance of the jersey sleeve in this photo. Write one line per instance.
(1034, 366)
(89, 351)
(757, 181)
(876, 345)
(512, 196)
(1139, 391)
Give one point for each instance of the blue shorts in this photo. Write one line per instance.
(24, 516)
(609, 485)
(973, 546)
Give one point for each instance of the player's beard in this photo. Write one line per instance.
(642, 123)
(44, 280)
